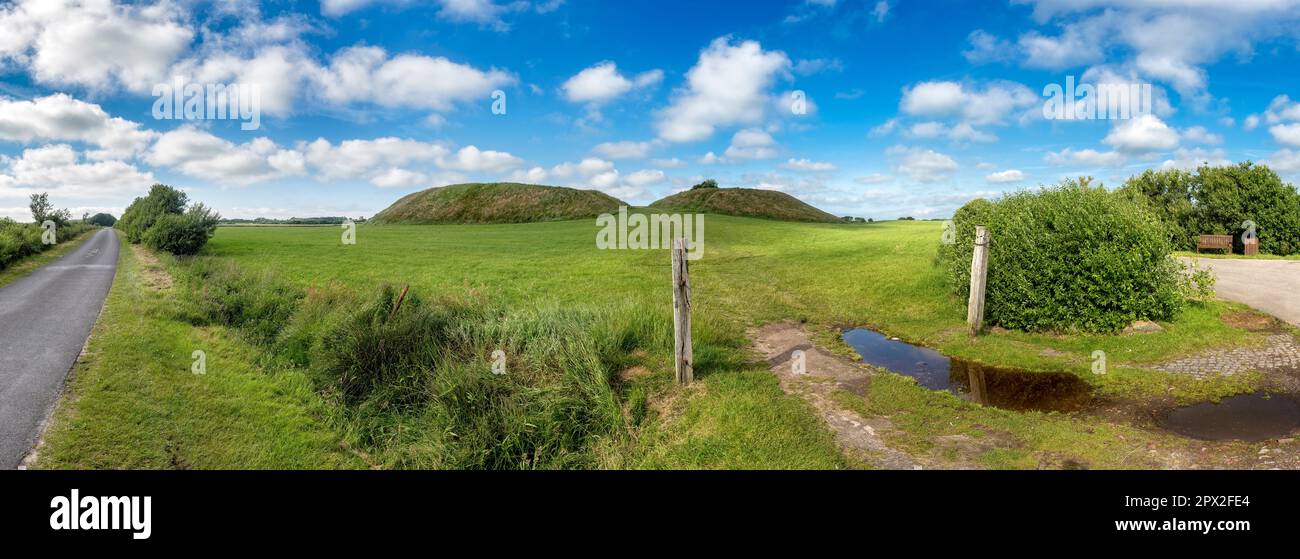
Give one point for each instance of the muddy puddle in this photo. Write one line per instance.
(991, 386)
(1249, 417)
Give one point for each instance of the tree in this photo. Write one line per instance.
(43, 210)
(143, 212)
(102, 220)
(708, 183)
(1218, 200)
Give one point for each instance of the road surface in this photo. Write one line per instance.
(1272, 286)
(45, 318)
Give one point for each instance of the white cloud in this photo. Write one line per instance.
(1286, 133)
(727, 86)
(1285, 161)
(59, 117)
(880, 11)
(672, 163)
(487, 13)
(751, 143)
(808, 165)
(97, 44)
(356, 158)
(922, 165)
(399, 178)
(646, 177)
(1089, 157)
(1145, 133)
(991, 105)
(1199, 135)
(1190, 159)
(1251, 122)
(623, 150)
(1009, 175)
(602, 82)
(202, 155)
(1172, 41)
(962, 132)
(471, 159)
(367, 74)
(57, 169)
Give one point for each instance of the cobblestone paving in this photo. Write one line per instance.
(1281, 352)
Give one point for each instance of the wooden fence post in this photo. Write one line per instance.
(685, 355)
(979, 267)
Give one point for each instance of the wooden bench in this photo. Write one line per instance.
(1214, 242)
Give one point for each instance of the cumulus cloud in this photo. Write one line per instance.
(751, 143)
(602, 82)
(1171, 41)
(202, 155)
(1009, 175)
(1190, 159)
(729, 85)
(59, 117)
(368, 74)
(970, 106)
(1143, 134)
(357, 158)
(922, 165)
(57, 168)
(98, 45)
(1089, 157)
(808, 165)
(471, 159)
(623, 150)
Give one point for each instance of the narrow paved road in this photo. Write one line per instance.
(45, 318)
(1272, 286)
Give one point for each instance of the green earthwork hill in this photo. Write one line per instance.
(501, 202)
(745, 202)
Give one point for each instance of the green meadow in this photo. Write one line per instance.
(546, 291)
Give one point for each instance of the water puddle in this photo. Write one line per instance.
(991, 386)
(1249, 417)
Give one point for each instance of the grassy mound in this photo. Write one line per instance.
(501, 202)
(745, 202)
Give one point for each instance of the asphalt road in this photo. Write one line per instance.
(45, 318)
(1272, 286)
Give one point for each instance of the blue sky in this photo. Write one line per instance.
(912, 107)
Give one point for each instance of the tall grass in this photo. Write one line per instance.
(411, 379)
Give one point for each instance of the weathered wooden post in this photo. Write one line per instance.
(685, 355)
(979, 267)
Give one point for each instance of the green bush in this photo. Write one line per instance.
(1068, 258)
(20, 240)
(160, 221)
(182, 234)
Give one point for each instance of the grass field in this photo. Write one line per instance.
(550, 278)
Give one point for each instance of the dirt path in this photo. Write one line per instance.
(824, 373)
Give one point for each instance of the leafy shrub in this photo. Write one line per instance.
(20, 240)
(1071, 257)
(1198, 283)
(182, 234)
(160, 221)
(708, 183)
